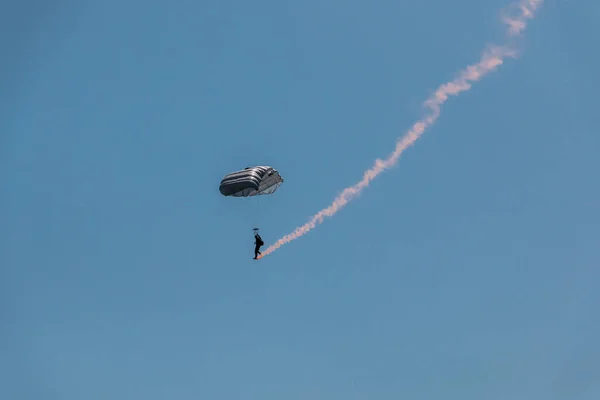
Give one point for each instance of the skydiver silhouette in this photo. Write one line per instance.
(259, 242)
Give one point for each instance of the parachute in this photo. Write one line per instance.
(251, 181)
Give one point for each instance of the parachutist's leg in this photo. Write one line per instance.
(256, 252)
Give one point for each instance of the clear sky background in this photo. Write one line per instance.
(469, 271)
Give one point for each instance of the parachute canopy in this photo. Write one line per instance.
(251, 181)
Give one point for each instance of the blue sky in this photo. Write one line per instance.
(468, 271)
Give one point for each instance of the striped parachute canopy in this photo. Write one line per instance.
(251, 181)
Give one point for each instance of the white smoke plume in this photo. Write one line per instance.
(490, 61)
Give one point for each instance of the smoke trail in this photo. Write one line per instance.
(526, 9)
(490, 61)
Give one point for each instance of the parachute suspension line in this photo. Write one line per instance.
(255, 211)
(252, 182)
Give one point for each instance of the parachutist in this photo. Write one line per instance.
(258, 242)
